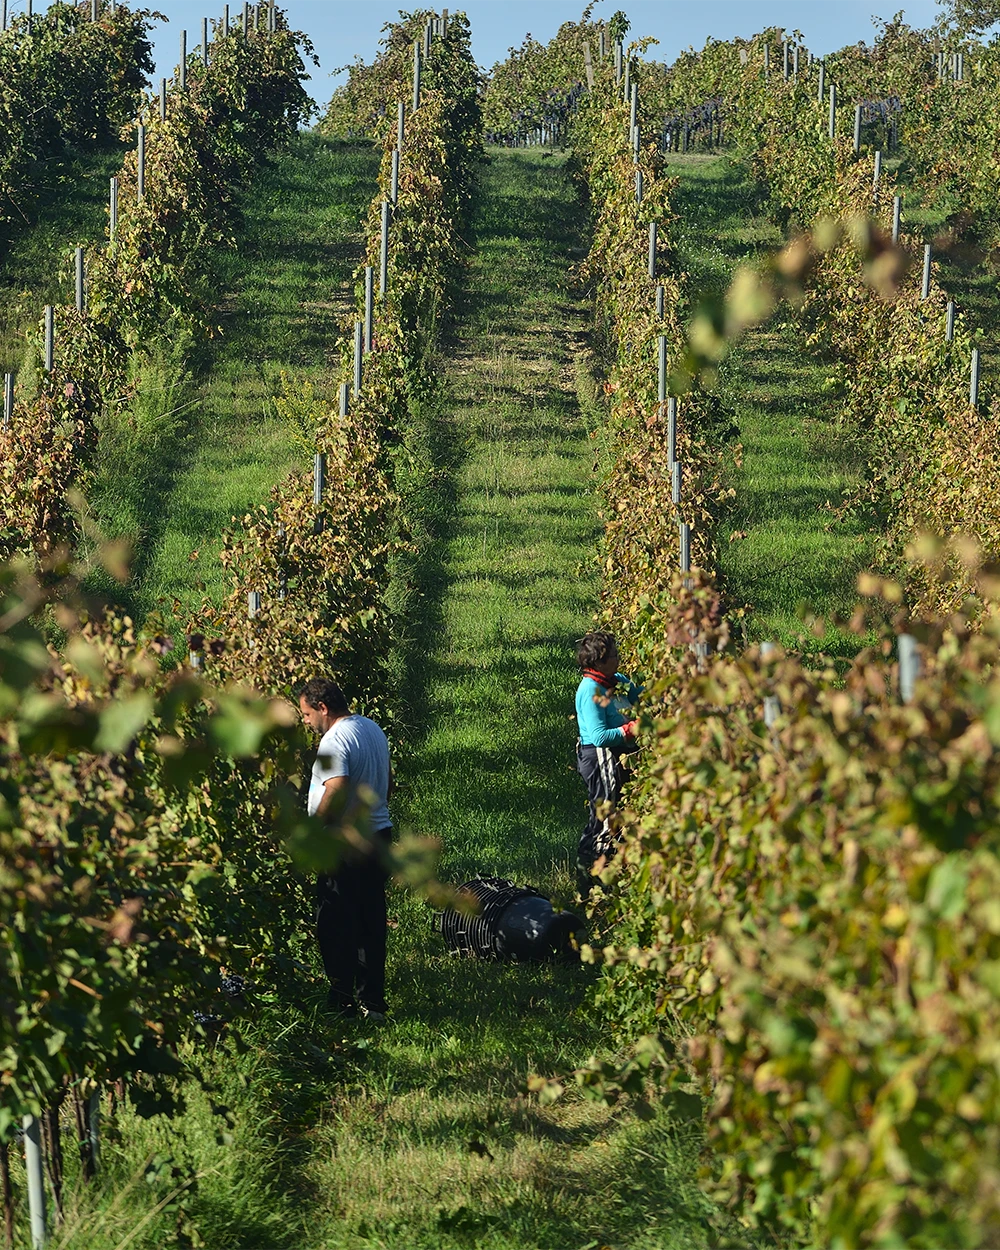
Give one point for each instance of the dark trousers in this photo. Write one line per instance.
(351, 927)
(603, 773)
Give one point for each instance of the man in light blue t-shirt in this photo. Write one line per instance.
(352, 765)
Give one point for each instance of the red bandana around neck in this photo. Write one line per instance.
(601, 678)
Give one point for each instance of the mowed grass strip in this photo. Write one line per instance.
(421, 1135)
(208, 443)
(438, 1145)
(782, 552)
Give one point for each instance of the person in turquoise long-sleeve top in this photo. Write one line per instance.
(605, 714)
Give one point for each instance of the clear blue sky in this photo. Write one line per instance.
(345, 29)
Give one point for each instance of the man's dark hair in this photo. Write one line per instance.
(326, 691)
(594, 648)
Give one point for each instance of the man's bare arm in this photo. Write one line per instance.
(331, 788)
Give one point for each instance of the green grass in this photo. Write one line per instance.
(781, 552)
(37, 258)
(173, 483)
(421, 1136)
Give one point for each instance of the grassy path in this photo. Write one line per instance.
(438, 1146)
(794, 566)
(210, 444)
(420, 1135)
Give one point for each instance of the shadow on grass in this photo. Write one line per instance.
(279, 295)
